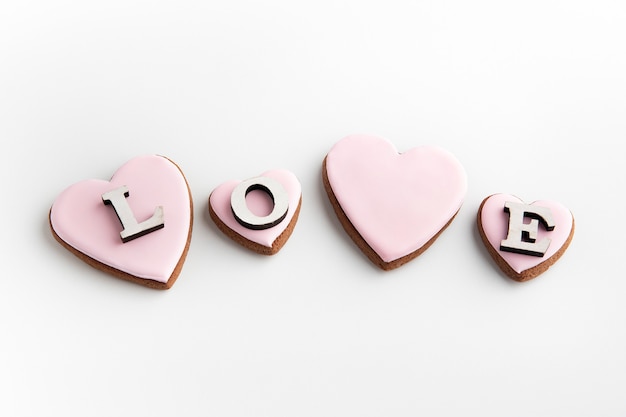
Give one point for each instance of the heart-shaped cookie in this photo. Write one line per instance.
(137, 226)
(259, 213)
(524, 239)
(392, 205)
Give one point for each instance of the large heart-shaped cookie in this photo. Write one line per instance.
(85, 221)
(392, 205)
(555, 231)
(268, 239)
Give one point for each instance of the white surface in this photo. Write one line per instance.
(530, 96)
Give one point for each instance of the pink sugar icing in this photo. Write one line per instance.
(397, 202)
(495, 223)
(79, 217)
(257, 203)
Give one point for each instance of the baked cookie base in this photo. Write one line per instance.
(124, 275)
(527, 274)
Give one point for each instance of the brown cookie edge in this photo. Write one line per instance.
(278, 243)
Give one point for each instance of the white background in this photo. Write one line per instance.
(531, 98)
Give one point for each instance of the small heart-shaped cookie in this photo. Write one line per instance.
(524, 239)
(259, 213)
(137, 226)
(392, 205)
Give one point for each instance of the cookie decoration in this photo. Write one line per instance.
(259, 213)
(136, 226)
(393, 205)
(524, 239)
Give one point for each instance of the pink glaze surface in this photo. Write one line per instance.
(495, 223)
(397, 202)
(259, 204)
(79, 217)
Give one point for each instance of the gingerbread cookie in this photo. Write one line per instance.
(393, 206)
(259, 213)
(136, 226)
(524, 239)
